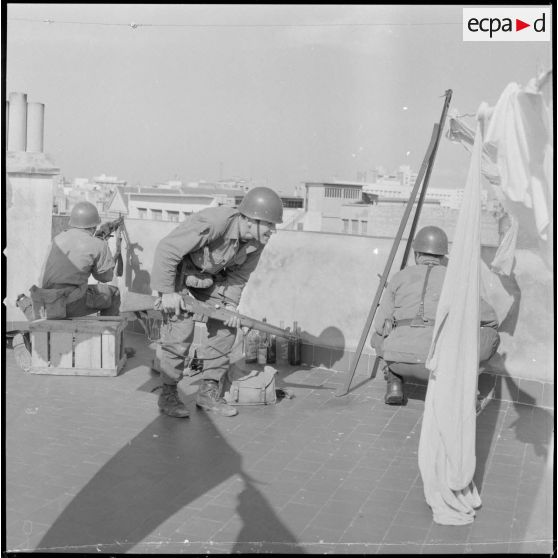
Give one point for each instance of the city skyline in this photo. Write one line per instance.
(276, 94)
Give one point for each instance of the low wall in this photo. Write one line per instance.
(326, 282)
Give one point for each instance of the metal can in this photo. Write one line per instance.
(251, 343)
(294, 347)
(262, 355)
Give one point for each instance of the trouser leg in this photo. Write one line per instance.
(78, 308)
(215, 352)
(177, 334)
(102, 297)
(114, 308)
(489, 342)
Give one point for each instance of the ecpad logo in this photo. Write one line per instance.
(506, 24)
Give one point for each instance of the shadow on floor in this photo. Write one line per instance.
(166, 467)
(534, 427)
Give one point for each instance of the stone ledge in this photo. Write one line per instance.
(24, 163)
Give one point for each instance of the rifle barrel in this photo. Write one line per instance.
(136, 302)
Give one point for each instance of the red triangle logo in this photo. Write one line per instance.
(519, 25)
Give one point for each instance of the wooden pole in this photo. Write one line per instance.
(427, 163)
(426, 181)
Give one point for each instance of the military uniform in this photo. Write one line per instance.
(405, 348)
(207, 246)
(75, 255)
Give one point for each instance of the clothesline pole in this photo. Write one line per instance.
(343, 390)
(426, 181)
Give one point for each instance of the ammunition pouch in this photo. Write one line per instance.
(192, 277)
(256, 387)
(51, 303)
(198, 280)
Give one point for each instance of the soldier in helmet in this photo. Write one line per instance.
(211, 255)
(405, 318)
(77, 253)
(74, 255)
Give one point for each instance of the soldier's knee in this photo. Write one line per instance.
(489, 343)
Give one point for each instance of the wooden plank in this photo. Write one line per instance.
(87, 351)
(75, 326)
(101, 318)
(39, 348)
(61, 349)
(75, 371)
(119, 345)
(108, 343)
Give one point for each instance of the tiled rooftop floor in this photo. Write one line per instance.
(91, 466)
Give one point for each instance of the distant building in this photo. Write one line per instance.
(170, 184)
(330, 204)
(399, 184)
(345, 208)
(109, 182)
(166, 204)
(167, 207)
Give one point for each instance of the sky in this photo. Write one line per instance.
(277, 94)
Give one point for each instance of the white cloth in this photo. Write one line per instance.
(492, 290)
(518, 130)
(517, 160)
(503, 259)
(446, 455)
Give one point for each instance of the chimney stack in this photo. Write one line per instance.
(25, 124)
(17, 122)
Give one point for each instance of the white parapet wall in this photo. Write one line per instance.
(28, 223)
(326, 282)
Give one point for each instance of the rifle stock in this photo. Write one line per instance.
(136, 302)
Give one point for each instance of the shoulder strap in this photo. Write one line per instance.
(418, 320)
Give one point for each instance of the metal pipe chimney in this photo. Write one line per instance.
(17, 138)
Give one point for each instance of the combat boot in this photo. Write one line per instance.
(208, 399)
(394, 392)
(25, 304)
(170, 404)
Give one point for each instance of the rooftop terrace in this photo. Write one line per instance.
(91, 466)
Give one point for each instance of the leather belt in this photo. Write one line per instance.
(409, 322)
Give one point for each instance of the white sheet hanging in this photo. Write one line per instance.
(517, 162)
(447, 458)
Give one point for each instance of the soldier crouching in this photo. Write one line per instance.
(211, 255)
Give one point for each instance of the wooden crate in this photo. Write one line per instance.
(88, 346)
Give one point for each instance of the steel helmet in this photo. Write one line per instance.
(84, 215)
(263, 204)
(431, 240)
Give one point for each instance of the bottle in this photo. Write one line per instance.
(262, 347)
(251, 342)
(271, 341)
(295, 346)
(282, 349)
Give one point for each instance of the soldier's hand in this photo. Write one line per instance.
(234, 320)
(388, 326)
(172, 302)
(103, 231)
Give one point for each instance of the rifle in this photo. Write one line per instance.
(104, 232)
(106, 229)
(136, 302)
